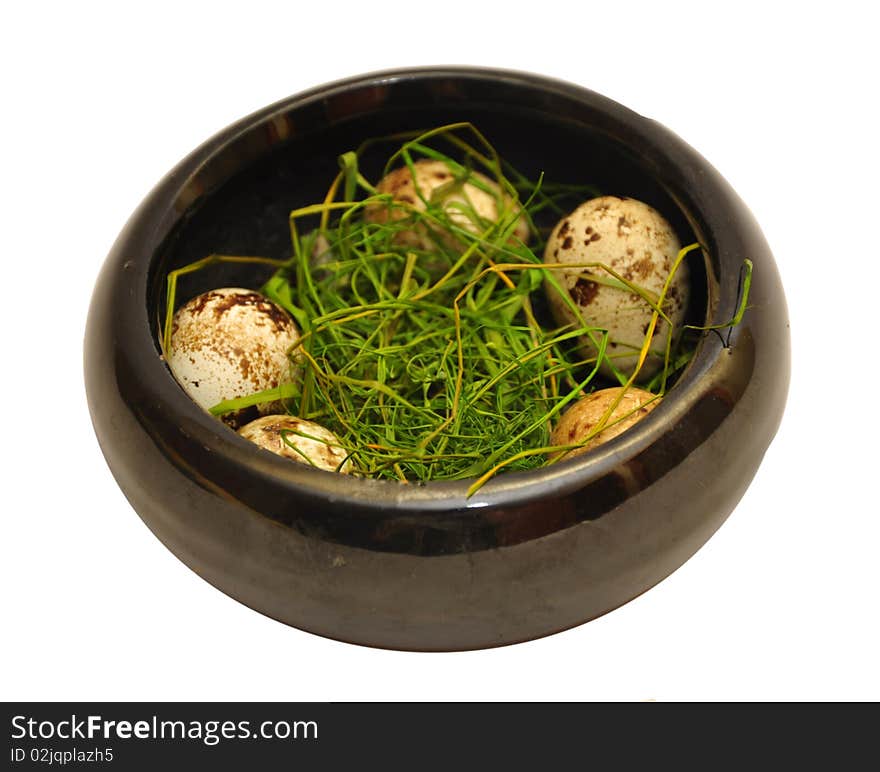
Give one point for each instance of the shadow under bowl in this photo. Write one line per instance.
(425, 567)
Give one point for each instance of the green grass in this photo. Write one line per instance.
(432, 363)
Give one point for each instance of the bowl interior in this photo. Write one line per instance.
(238, 201)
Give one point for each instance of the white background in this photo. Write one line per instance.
(100, 101)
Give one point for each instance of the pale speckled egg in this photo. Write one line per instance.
(636, 242)
(585, 416)
(299, 440)
(466, 204)
(231, 342)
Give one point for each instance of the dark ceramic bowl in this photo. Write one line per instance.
(425, 567)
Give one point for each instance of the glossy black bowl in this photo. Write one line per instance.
(425, 567)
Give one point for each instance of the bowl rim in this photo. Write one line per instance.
(160, 210)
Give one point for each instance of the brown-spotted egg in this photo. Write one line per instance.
(585, 417)
(229, 343)
(639, 245)
(299, 440)
(467, 205)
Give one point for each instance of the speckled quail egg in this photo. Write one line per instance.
(636, 242)
(585, 415)
(300, 440)
(465, 203)
(231, 342)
